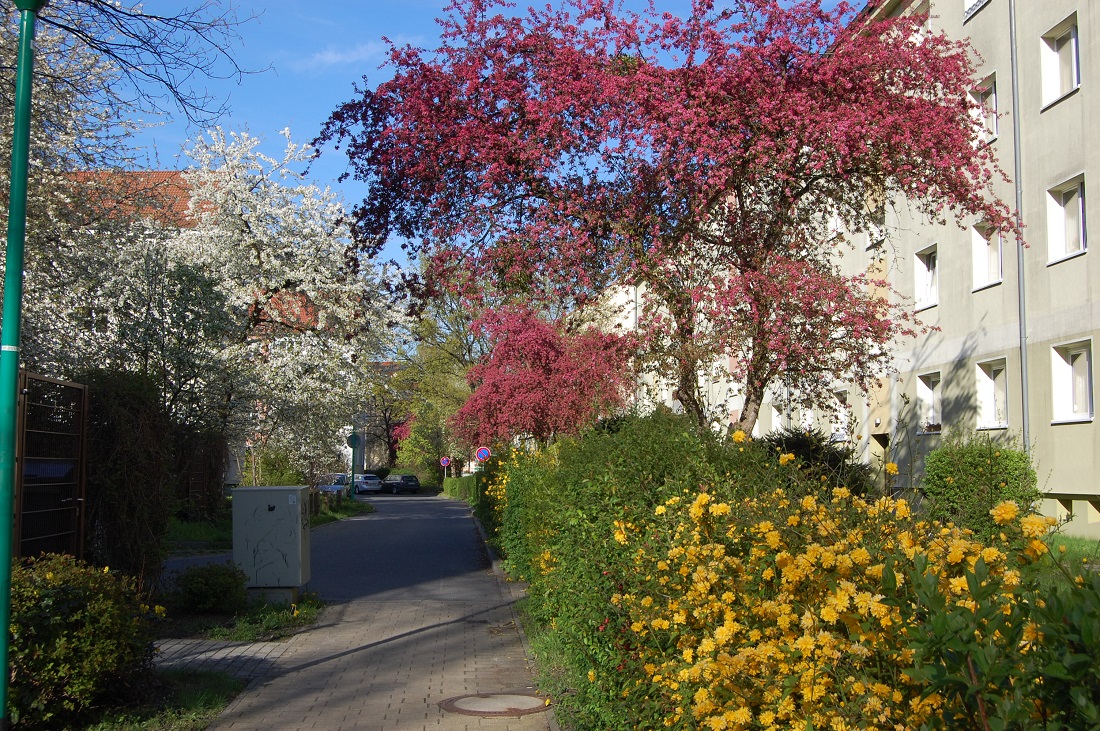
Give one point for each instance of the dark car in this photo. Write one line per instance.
(400, 483)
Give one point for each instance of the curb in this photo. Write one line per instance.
(515, 591)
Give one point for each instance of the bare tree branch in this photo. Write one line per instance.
(163, 60)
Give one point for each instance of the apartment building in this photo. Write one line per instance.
(1018, 326)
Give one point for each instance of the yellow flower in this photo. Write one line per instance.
(660, 510)
(739, 436)
(785, 458)
(106, 569)
(591, 676)
(1005, 512)
(1034, 526)
(891, 468)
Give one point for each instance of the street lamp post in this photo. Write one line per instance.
(9, 329)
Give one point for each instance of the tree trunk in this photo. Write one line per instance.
(687, 391)
(754, 399)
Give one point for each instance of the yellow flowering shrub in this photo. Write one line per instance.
(682, 583)
(773, 611)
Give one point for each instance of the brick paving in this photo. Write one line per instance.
(382, 659)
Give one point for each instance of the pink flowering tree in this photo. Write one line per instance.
(538, 382)
(709, 161)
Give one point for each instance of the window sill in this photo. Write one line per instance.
(1060, 99)
(987, 285)
(920, 306)
(992, 427)
(975, 6)
(1067, 257)
(1083, 419)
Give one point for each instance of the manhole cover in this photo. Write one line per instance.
(495, 704)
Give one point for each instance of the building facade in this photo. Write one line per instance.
(1017, 324)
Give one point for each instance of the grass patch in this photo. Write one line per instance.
(186, 536)
(180, 700)
(1071, 556)
(267, 622)
(259, 623)
(346, 508)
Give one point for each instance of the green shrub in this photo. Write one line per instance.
(966, 476)
(561, 504)
(78, 634)
(819, 457)
(465, 487)
(1020, 665)
(131, 472)
(217, 588)
(679, 580)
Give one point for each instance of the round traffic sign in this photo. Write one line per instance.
(353, 440)
(444, 461)
(483, 454)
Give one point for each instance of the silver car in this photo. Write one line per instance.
(368, 484)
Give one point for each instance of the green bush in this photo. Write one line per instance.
(819, 457)
(79, 634)
(465, 487)
(560, 506)
(679, 580)
(966, 476)
(217, 588)
(131, 472)
(1028, 664)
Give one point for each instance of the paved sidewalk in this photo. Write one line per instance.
(244, 660)
(399, 642)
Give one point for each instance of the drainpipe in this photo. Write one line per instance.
(9, 330)
(1025, 412)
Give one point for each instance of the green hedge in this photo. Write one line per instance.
(662, 562)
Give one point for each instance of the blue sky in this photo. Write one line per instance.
(315, 51)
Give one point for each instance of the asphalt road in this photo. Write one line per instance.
(405, 550)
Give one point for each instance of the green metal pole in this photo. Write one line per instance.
(9, 329)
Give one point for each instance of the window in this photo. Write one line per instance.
(927, 278)
(970, 7)
(987, 255)
(1066, 219)
(1072, 374)
(992, 395)
(985, 109)
(1060, 61)
(929, 415)
(840, 417)
(806, 419)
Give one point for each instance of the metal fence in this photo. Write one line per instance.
(50, 477)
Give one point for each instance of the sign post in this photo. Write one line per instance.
(13, 313)
(353, 442)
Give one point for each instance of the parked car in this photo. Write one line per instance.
(368, 483)
(401, 483)
(334, 484)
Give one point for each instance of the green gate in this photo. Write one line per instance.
(50, 474)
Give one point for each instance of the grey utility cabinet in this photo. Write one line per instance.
(271, 535)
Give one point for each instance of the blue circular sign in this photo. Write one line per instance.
(483, 454)
(444, 461)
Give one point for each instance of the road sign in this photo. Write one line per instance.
(444, 461)
(353, 440)
(483, 454)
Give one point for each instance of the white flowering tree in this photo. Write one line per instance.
(304, 307)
